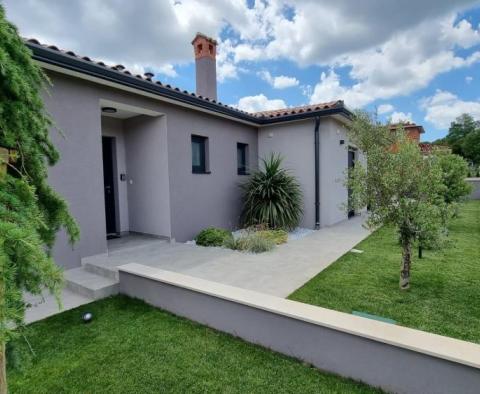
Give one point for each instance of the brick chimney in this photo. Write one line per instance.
(205, 49)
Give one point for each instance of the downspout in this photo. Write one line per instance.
(317, 172)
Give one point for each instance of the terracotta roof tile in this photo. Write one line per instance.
(301, 109)
(407, 125)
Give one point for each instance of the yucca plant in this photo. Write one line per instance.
(272, 196)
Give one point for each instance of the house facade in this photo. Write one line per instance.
(138, 156)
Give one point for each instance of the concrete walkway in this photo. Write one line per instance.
(46, 305)
(287, 267)
(278, 272)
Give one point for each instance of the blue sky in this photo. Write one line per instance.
(410, 60)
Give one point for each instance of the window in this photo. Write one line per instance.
(242, 150)
(199, 154)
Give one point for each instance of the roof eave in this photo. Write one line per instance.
(340, 110)
(56, 58)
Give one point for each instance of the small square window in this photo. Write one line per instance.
(242, 154)
(199, 153)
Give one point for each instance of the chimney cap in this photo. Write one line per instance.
(205, 37)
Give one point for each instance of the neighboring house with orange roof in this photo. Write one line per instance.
(139, 156)
(413, 130)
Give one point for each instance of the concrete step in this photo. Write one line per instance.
(101, 268)
(89, 284)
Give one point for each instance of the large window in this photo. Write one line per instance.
(242, 154)
(199, 154)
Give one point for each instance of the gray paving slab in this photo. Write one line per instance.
(289, 266)
(278, 272)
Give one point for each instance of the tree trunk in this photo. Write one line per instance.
(3, 370)
(3, 359)
(406, 263)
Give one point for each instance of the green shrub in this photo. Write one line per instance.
(454, 171)
(250, 242)
(213, 237)
(272, 196)
(278, 237)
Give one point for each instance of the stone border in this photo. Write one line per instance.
(396, 358)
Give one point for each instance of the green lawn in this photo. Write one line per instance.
(444, 297)
(131, 347)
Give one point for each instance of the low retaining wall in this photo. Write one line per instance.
(475, 194)
(395, 358)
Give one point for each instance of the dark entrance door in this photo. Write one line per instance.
(351, 165)
(108, 183)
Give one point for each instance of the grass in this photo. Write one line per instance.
(131, 347)
(444, 297)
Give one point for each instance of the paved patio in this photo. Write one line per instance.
(278, 272)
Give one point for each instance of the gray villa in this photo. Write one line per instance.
(138, 156)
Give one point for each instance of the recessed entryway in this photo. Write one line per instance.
(135, 165)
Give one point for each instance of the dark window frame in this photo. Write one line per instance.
(242, 149)
(202, 141)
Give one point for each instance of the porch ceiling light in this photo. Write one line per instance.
(109, 110)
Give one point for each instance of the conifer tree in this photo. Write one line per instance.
(31, 212)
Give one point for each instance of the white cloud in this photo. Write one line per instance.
(407, 62)
(225, 71)
(389, 50)
(245, 52)
(151, 34)
(259, 103)
(279, 82)
(460, 34)
(113, 31)
(443, 107)
(329, 89)
(401, 117)
(468, 79)
(321, 31)
(385, 109)
(168, 70)
(282, 82)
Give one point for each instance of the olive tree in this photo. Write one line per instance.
(31, 213)
(400, 186)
